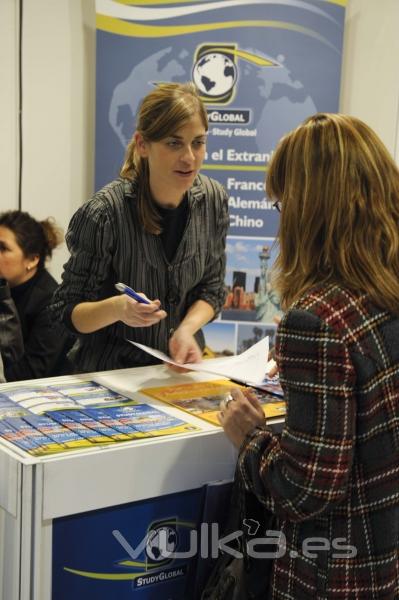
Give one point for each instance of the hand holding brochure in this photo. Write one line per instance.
(249, 367)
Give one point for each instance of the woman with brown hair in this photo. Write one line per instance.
(35, 346)
(160, 228)
(332, 478)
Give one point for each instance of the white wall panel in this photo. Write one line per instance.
(9, 104)
(370, 75)
(58, 117)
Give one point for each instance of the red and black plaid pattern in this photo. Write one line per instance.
(334, 472)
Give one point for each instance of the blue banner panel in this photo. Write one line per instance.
(260, 66)
(146, 550)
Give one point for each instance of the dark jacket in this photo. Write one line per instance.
(45, 342)
(11, 342)
(334, 473)
(108, 244)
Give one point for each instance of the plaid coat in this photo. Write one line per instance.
(334, 472)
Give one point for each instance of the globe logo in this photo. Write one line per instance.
(161, 543)
(215, 74)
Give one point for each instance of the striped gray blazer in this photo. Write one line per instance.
(108, 244)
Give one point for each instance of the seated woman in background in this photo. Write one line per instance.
(332, 477)
(25, 244)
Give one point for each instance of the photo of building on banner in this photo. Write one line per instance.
(261, 68)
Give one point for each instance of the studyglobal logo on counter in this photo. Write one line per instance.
(153, 559)
(160, 577)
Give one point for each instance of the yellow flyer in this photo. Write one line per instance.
(203, 398)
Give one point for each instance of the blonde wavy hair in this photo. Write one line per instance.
(162, 112)
(339, 193)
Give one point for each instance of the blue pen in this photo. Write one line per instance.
(121, 287)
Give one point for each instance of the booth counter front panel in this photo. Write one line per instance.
(71, 523)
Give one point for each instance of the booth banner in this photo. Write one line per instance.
(261, 67)
(146, 550)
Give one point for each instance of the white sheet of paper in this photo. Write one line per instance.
(248, 367)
